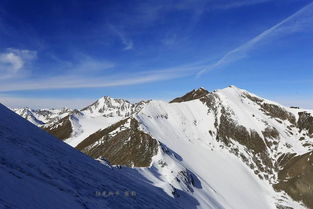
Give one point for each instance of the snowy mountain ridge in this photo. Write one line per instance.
(109, 107)
(199, 143)
(42, 116)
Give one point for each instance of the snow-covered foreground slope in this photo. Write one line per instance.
(40, 171)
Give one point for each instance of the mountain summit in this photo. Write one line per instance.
(194, 94)
(108, 106)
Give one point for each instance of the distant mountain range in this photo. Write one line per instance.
(223, 149)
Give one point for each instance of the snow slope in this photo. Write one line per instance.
(84, 125)
(40, 171)
(184, 128)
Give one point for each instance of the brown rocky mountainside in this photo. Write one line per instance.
(194, 94)
(296, 178)
(62, 129)
(121, 144)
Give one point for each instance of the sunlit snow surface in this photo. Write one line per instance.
(226, 182)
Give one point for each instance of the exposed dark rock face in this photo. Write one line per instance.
(253, 98)
(62, 130)
(210, 100)
(272, 109)
(296, 178)
(128, 146)
(194, 94)
(294, 107)
(93, 138)
(305, 121)
(188, 179)
(295, 173)
(278, 112)
(284, 159)
(270, 132)
(228, 129)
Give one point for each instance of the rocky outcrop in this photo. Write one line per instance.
(121, 144)
(194, 94)
(277, 112)
(305, 121)
(272, 110)
(270, 132)
(62, 130)
(228, 129)
(296, 178)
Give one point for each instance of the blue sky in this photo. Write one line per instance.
(69, 53)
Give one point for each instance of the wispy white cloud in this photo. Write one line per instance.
(127, 42)
(226, 4)
(89, 65)
(148, 12)
(19, 102)
(92, 73)
(170, 40)
(14, 60)
(85, 81)
(11, 62)
(298, 21)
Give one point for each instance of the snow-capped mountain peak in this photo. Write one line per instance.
(108, 106)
